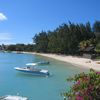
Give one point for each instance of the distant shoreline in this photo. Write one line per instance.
(77, 61)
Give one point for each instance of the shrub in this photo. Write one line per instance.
(85, 87)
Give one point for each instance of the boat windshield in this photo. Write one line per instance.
(31, 64)
(31, 67)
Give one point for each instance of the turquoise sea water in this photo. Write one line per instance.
(34, 87)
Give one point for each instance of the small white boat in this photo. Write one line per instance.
(13, 97)
(43, 62)
(40, 63)
(32, 69)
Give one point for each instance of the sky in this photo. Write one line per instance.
(20, 20)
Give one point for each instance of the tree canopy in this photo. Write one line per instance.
(65, 39)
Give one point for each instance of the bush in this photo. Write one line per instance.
(85, 87)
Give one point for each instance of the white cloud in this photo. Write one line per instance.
(2, 17)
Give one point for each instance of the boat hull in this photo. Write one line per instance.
(43, 63)
(38, 73)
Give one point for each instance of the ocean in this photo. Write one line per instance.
(13, 82)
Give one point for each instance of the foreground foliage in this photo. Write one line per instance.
(85, 87)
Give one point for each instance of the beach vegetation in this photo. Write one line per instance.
(41, 41)
(19, 47)
(86, 43)
(67, 38)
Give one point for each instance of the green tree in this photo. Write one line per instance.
(96, 29)
(64, 39)
(86, 43)
(41, 41)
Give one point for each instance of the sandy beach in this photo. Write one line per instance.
(77, 61)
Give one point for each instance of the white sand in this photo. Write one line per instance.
(84, 62)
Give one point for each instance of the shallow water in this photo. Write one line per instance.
(13, 82)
